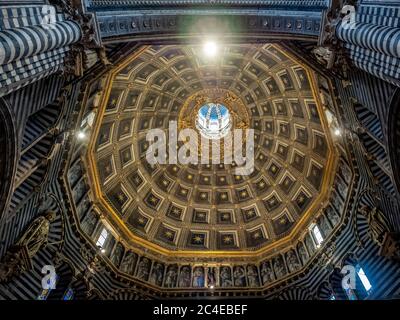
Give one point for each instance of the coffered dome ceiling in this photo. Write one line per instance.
(209, 209)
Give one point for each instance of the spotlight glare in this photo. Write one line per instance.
(210, 48)
(103, 250)
(337, 132)
(81, 135)
(211, 287)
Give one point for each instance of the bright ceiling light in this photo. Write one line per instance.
(337, 132)
(81, 135)
(210, 48)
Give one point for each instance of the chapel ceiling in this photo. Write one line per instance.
(209, 208)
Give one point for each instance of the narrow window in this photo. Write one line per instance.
(364, 279)
(102, 238)
(317, 236)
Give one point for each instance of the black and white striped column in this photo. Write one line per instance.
(32, 47)
(28, 41)
(372, 41)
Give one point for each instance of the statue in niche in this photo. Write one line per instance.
(89, 222)
(332, 216)
(341, 187)
(129, 262)
(279, 267)
(117, 255)
(83, 207)
(143, 269)
(226, 277)
(345, 172)
(239, 276)
(325, 227)
(184, 277)
(36, 236)
(337, 202)
(292, 261)
(79, 191)
(378, 224)
(170, 276)
(18, 258)
(198, 277)
(302, 253)
(74, 174)
(267, 274)
(252, 276)
(157, 274)
(212, 276)
(309, 243)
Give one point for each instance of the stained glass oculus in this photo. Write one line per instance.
(213, 121)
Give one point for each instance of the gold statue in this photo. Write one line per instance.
(36, 236)
(18, 257)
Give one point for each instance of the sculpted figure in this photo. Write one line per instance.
(198, 277)
(302, 253)
(292, 261)
(279, 267)
(11, 265)
(212, 276)
(157, 274)
(35, 237)
(117, 255)
(226, 277)
(267, 274)
(325, 56)
(184, 277)
(79, 190)
(252, 276)
(332, 216)
(377, 222)
(239, 276)
(129, 262)
(74, 173)
(83, 207)
(170, 277)
(143, 269)
(337, 202)
(325, 227)
(345, 171)
(341, 187)
(310, 245)
(89, 222)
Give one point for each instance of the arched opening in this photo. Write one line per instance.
(8, 152)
